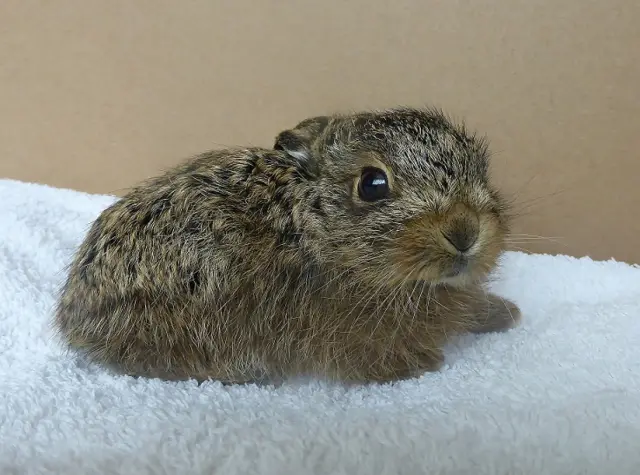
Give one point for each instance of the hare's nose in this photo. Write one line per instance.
(462, 241)
(461, 236)
(460, 228)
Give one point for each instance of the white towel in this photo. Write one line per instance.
(558, 395)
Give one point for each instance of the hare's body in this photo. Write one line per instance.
(238, 265)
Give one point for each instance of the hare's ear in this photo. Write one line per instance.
(298, 142)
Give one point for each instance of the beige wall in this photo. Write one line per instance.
(95, 95)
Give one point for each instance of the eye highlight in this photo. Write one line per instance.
(373, 184)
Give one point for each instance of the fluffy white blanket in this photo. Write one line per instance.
(559, 395)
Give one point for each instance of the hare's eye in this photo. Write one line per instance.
(373, 185)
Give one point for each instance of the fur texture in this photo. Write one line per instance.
(246, 264)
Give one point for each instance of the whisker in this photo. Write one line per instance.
(534, 236)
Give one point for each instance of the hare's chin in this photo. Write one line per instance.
(460, 280)
(457, 272)
(455, 277)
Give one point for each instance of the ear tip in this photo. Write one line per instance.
(288, 140)
(278, 141)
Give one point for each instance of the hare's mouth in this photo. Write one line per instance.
(451, 269)
(459, 265)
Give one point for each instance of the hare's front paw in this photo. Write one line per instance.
(496, 315)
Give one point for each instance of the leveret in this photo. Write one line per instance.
(350, 251)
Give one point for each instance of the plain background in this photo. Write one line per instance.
(96, 95)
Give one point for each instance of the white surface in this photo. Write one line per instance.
(559, 395)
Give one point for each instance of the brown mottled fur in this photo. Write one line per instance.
(243, 264)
